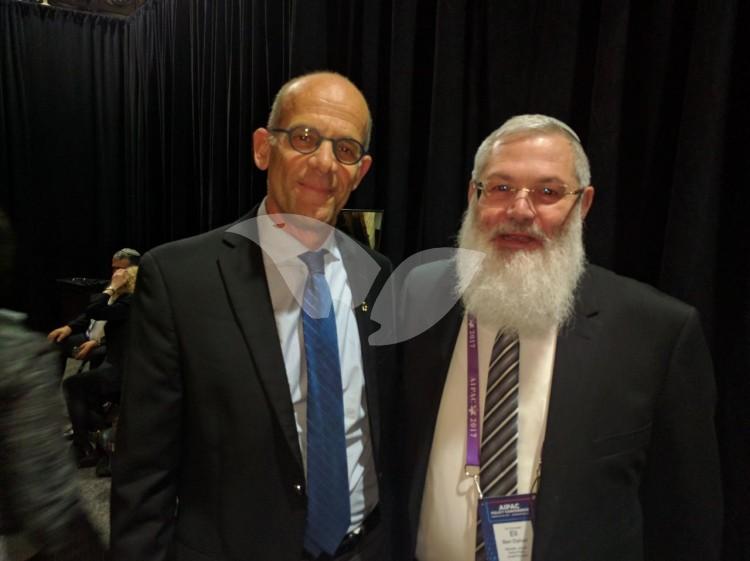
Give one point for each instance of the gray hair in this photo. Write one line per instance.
(130, 254)
(277, 109)
(528, 125)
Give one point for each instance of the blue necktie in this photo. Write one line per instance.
(328, 513)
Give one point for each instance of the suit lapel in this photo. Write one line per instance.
(362, 271)
(243, 272)
(574, 344)
(566, 417)
(426, 367)
(436, 351)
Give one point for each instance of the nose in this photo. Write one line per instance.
(323, 159)
(521, 208)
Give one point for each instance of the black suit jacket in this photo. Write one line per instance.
(116, 316)
(629, 463)
(207, 419)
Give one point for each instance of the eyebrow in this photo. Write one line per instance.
(344, 137)
(545, 179)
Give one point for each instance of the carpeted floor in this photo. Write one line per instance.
(95, 495)
(94, 490)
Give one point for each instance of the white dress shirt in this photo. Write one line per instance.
(287, 275)
(448, 521)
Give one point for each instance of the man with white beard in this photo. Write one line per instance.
(595, 440)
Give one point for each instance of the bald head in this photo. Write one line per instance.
(335, 88)
(313, 181)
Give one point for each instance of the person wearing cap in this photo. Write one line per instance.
(559, 411)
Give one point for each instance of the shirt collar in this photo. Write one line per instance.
(283, 248)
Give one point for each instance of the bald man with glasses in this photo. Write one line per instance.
(559, 411)
(253, 422)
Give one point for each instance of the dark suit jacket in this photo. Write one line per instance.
(116, 316)
(207, 418)
(629, 464)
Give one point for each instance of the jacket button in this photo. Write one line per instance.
(299, 489)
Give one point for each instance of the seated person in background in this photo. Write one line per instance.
(39, 502)
(86, 391)
(81, 338)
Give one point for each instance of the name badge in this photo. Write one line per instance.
(507, 527)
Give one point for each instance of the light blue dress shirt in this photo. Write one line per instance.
(286, 275)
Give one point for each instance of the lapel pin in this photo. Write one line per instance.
(364, 306)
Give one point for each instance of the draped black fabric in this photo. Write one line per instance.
(138, 131)
(63, 133)
(201, 78)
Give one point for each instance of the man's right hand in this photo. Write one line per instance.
(85, 349)
(119, 280)
(57, 335)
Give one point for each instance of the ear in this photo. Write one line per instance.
(471, 192)
(261, 148)
(588, 199)
(364, 167)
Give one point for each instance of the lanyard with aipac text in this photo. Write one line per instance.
(473, 444)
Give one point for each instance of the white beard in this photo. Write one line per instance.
(521, 292)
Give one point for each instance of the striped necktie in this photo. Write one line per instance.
(498, 476)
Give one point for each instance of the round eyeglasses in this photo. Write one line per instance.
(499, 194)
(307, 140)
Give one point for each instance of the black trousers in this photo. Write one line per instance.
(84, 394)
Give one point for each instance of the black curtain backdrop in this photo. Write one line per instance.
(132, 132)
